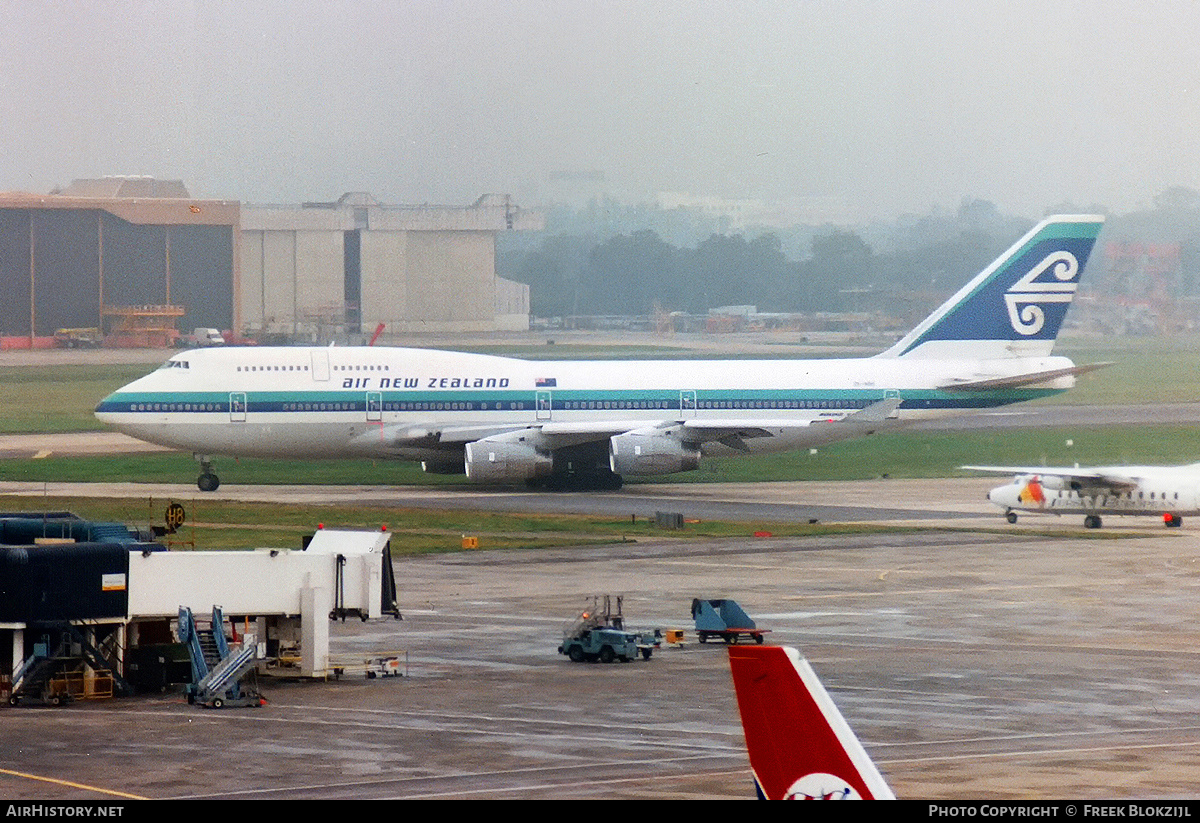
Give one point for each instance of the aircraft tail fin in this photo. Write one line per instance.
(799, 744)
(1014, 307)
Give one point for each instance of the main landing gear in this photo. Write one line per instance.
(602, 480)
(1092, 521)
(208, 480)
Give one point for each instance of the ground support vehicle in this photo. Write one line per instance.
(605, 645)
(384, 667)
(599, 633)
(724, 619)
(89, 338)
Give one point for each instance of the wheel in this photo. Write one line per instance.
(758, 638)
(646, 653)
(576, 654)
(218, 703)
(56, 700)
(1092, 521)
(730, 639)
(14, 700)
(1173, 521)
(1011, 517)
(607, 655)
(703, 637)
(208, 482)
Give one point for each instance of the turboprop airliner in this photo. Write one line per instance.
(800, 746)
(1169, 492)
(588, 424)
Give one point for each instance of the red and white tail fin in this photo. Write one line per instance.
(800, 746)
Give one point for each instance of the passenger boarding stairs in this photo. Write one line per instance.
(217, 669)
(223, 684)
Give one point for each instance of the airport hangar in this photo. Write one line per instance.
(92, 253)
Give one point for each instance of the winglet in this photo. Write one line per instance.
(799, 744)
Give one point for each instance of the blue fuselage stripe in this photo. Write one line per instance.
(555, 400)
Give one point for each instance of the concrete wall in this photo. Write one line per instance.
(288, 277)
(385, 277)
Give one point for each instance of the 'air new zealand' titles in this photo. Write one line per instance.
(587, 424)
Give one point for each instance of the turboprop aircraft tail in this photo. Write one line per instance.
(800, 746)
(1014, 307)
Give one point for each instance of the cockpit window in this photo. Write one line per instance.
(174, 364)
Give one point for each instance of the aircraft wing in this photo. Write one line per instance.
(732, 433)
(1014, 381)
(1072, 476)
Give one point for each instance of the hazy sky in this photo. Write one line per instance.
(886, 106)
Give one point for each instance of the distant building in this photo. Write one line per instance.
(115, 241)
(68, 258)
(356, 263)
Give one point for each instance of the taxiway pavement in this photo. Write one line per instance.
(993, 663)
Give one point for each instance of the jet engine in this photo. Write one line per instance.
(651, 452)
(1051, 481)
(503, 459)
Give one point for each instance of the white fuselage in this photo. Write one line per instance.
(1155, 490)
(411, 403)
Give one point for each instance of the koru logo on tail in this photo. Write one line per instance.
(821, 786)
(1027, 296)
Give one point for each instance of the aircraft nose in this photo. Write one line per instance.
(1001, 496)
(103, 406)
(108, 408)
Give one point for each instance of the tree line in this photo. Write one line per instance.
(609, 259)
(633, 273)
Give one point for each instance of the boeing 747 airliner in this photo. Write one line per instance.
(588, 424)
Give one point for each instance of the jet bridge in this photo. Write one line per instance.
(288, 595)
(124, 597)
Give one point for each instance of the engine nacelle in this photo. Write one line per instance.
(494, 460)
(636, 452)
(1050, 481)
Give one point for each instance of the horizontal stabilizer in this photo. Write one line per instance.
(1018, 380)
